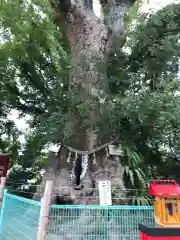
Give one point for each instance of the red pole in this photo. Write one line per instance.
(4, 160)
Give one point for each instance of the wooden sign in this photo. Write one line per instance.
(115, 150)
(105, 193)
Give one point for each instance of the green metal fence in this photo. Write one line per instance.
(20, 217)
(79, 222)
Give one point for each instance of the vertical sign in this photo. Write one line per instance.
(105, 193)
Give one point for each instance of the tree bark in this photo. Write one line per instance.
(90, 41)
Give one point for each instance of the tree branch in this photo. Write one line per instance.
(65, 5)
(25, 107)
(114, 14)
(61, 5)
(68, 12)
(29, 109)
(89, 4)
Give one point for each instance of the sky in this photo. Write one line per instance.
(149, 5)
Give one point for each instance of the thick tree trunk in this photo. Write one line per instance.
(90, 41)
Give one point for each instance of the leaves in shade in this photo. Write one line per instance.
(143, 106)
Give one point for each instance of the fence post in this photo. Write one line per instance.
(44, 213)
(3, 209)
(2, 185)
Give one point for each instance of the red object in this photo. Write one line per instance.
(143, 236)
(164, 188)
(161, 188)
(4, 160)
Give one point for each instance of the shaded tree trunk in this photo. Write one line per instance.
(90, 41)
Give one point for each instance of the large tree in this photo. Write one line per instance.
(134, 100)
(91, 41)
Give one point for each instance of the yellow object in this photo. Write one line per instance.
(167, 211)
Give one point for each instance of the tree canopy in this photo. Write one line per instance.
(143, 105)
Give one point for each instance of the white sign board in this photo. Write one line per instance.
(105, 193)
(116, 151)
